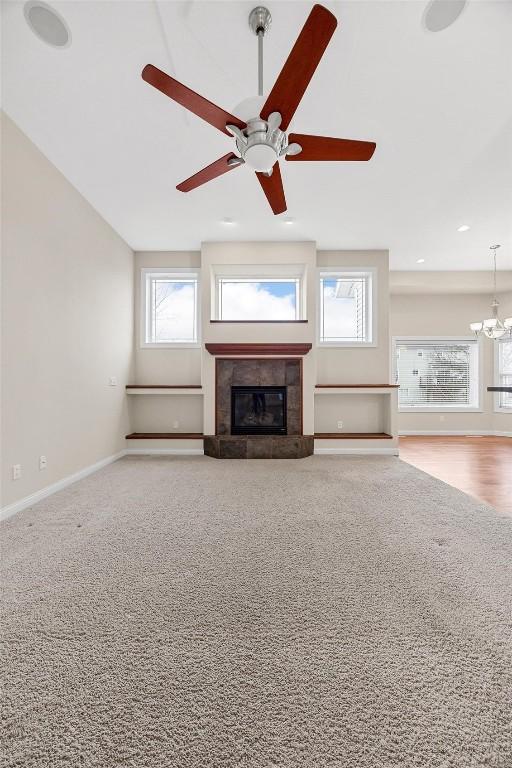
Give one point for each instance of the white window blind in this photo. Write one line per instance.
(437, 375)
(345, 308)
(505, 372)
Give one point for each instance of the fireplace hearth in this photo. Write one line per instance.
(258, 410)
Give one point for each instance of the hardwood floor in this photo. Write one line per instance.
(479, 466)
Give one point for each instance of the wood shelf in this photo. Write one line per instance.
(165, 436)
(249, 350)
(163, 386)
(352, 436)
(164, 389)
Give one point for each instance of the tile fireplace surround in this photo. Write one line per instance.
(276, 372)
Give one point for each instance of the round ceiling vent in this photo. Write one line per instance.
(47, 24)
(440, 14)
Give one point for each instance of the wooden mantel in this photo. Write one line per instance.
(248, 350)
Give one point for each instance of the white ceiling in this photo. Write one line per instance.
(438, 105)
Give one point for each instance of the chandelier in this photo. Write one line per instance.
(493, 328)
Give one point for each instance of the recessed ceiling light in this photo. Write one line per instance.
(47, 24)
(228, 222)
(440, 14)
(463, 228)
(289, 221)
(420, 261)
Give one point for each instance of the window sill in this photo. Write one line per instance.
(261, 322)
(440, 410)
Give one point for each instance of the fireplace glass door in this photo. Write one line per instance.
(258, 410)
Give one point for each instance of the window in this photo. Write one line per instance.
(261, 298)
(437, 374)
(169, 307)
(504, 372)
(345, 308)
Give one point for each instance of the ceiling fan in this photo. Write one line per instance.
(262, 140)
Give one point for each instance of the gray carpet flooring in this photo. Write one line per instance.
(348, 612)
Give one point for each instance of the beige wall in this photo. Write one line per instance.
(360, 365)
(194, 366)
(450, 315)
(163, 366)
(67, 324)
(163, 413)
(260, 253)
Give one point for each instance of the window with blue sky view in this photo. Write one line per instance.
(249, 299)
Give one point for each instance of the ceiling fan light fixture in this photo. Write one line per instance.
(260, 157)
(262, 138)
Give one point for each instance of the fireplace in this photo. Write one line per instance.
(258, 410)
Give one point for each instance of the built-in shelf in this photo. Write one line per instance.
(165, 436)
(164, 389)
(352, 436)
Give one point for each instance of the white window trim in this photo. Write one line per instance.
(497, 407)
(445, 339)
(254, 273)
(183, 272)
(372, 305)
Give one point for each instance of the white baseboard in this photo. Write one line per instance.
(164, 452)
(33, 498)
(358, 451)
(455, 433)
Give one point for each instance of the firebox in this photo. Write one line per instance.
(258, 411)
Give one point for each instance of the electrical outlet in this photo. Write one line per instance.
(175, 425)
(42, 462)
(16, 471)
(112, 382)
(340, 425)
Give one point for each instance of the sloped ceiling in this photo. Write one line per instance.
(438, 106)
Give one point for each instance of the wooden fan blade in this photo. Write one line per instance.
(273, 189)
(217, 168)
(189, 99)
(325, 148)
(300, 65)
